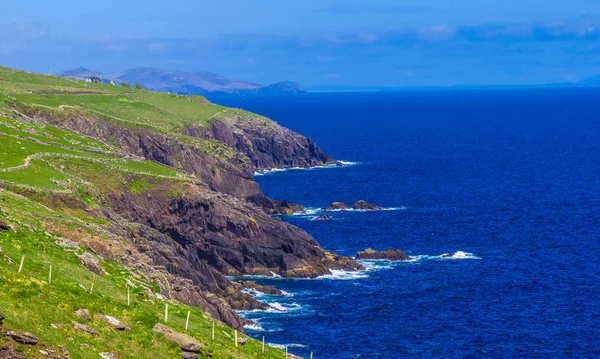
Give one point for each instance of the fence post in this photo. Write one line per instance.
(263, 345)
(21, 265)
(128, 296)
(286, 352)
(213, 331)
(235, 338)
(187, 321)
(166, 312)
(92, 285)
(50, 275)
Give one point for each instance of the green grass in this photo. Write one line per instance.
(31, 304)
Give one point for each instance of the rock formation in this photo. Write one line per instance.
(390, 254)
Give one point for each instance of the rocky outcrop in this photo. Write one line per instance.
(337, 206)
(362, 205)
(83, 314)
(185, 342)
(23, 337)
(90, 262)
(114, 322)
(273, 207)
(230, 235)
(267, 144)
(5, 226)
(390, 254)
(267, 289)
(84, 328)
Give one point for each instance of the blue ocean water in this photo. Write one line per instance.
(509, 177)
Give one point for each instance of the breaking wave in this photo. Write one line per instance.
(276, 170)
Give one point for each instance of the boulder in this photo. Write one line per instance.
(84, 328)
(90, 262)
(189, 355)
(362, 205)
(267, 289)
(185, 342)
(322, 217)
(336, 206)
(5, 226)
(83, 314)
(242, 341)
(23, 337)
(390, 254)
(113, 321)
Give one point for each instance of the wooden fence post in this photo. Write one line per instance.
(286, 352)
(21, 265)
(92, 285)
(213, 331)
(166, 312)
(128, 296)
(235, 338)
(187, 321)
(263, 345)
(50, 275)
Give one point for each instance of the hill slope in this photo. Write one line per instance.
(155, 188)
(198, 83)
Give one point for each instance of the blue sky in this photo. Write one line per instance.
(315, 42)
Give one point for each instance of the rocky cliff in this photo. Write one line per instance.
(188, 235)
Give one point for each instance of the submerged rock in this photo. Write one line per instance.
(322, 217)
(336, 206)
(390, 254)
(366, 206)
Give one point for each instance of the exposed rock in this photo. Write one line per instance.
(185, 342)
(322, 217)
(83, 314)
(366, 206)
(90, 262)
(110, 355)
(242, 341)
(272, 207)
(390, 254)
(189, 355)
(113, 321)
(23, 337)
(68, 244)
(208, 354)
(227, 335)
(5, 226)
(336, 206)
(1, 319)
(267, 289)
(84, 328)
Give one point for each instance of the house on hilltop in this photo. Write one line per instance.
(94, 80)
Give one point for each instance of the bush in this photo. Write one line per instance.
(139, 86)
(125, 84)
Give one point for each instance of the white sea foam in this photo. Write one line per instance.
(340, 274)
(255, 326)
(282, 346)
(458, 255)
(275, 170)
(312, 213)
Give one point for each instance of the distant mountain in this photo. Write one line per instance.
(200, 83)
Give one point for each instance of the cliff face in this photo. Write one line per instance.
(267, 144)
(188, 235)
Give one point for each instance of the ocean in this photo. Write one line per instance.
(508, 178)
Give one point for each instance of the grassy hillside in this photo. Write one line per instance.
(52, 182)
